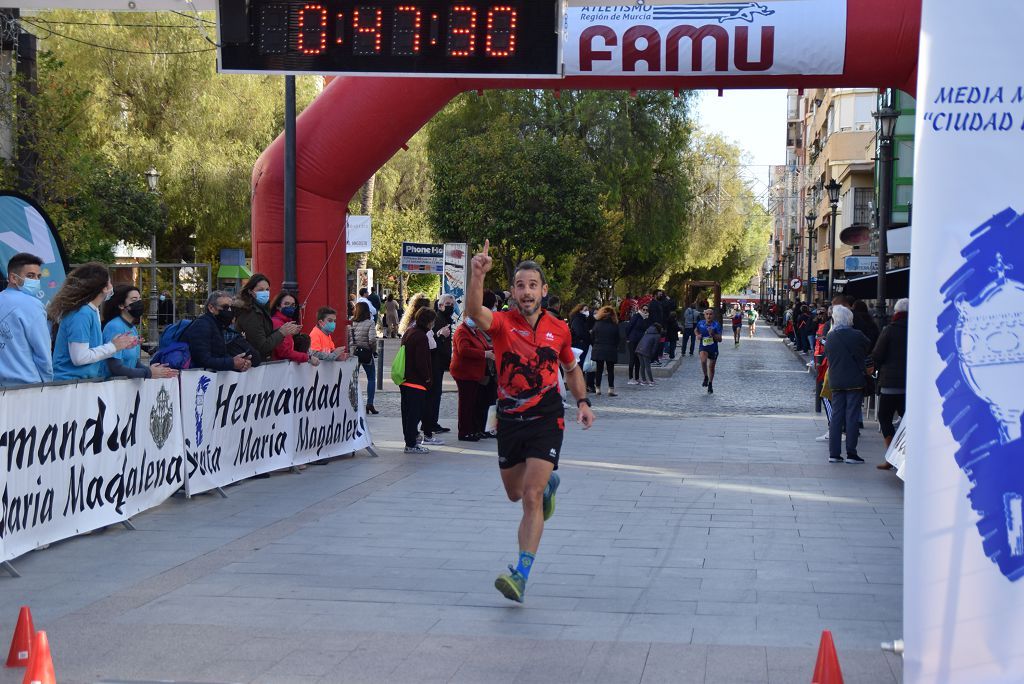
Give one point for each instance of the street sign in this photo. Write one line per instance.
(814, 280)
(422, 258)
(795, 284)
(861, 264)
(507, 38)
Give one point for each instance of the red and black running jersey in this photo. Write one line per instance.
(527, 360)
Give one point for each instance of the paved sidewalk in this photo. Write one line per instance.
(697, 539)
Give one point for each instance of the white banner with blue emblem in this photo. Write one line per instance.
(271, 417)
(77, 457)
(683, 37)
(964, 549)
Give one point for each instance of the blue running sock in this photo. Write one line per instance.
(525, 564)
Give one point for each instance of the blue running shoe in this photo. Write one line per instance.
(549, 495)
(512, 585)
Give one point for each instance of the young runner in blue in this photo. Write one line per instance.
(709, 334)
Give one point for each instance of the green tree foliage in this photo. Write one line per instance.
(531, 193)
(148, 96)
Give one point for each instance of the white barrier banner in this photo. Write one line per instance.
(964, 552)
(274, 416)
(74, 458)
(680, 37)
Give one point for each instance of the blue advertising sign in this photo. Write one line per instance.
(25, 227)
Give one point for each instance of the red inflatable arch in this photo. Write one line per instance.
(357, 124)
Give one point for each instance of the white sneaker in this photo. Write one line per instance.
(432, 440)
(417, 450)
(632, 382)
(823, 438)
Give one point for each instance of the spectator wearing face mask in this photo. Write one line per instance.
(121, 314)
(24, 339)
(253, 318)
(321, 344)
(79, 351)
(206, 336)
(283, 310)
(579, 328)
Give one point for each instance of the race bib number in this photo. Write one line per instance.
(707, 341)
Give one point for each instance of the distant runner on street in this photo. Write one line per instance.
(709, 334)
(752, 317)
(737, 323)
(529, 345)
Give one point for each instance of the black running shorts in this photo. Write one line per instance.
(519, 440)
(712, 353)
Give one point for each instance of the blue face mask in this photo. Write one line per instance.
(30, 286)
(108, 295)
(262, 297)
(288, 311)
(328, 327)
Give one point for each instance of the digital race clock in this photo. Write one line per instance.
(430, 37)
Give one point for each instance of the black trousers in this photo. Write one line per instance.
(634, 361)
(413, 403)
(433, 407)
(474, 401)
(888, 406)
(601, 365)
(689, 334)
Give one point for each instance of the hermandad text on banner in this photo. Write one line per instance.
(74, 458)
(242, 424)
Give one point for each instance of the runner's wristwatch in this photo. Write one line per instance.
(584, 400)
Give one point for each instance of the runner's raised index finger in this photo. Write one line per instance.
(487, 246)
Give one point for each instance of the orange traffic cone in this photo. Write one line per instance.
(21, 644)
(40, 664)
(826, 670)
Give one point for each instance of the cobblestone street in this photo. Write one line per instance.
(697, 538)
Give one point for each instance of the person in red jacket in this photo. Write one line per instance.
(284, 309)
(472, 367)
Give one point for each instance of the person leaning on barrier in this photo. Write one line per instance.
(24, 340)
(121, 313)
(79, 351)
(321, 344)
(254, 320)
(207, 336)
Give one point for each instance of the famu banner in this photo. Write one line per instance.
(74, 458)
(684, 37)
(274, 416)
(964, 555)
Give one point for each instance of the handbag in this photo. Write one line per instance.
(364, 355)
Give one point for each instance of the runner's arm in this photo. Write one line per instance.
(479, 267)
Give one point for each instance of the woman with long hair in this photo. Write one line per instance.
(362, 337)
(418, 376)
(283, 310)
(391, 316)
(416, 302)
(121, 314)
(79, 350)
(253, 319)
(605, 339)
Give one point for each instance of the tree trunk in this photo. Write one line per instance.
(366, 209)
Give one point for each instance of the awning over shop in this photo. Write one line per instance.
(229, 272)
(897, 285)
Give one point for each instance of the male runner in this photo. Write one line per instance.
(709, 334)
(737, 323)
(752, 317)
(529, 345)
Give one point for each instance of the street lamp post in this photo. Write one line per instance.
(153, 183)
(886, 117)
(812, 222)
(833, 200)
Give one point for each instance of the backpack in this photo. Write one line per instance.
(172, 352)
(398, 367)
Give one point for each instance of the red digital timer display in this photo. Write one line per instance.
(431, 37)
